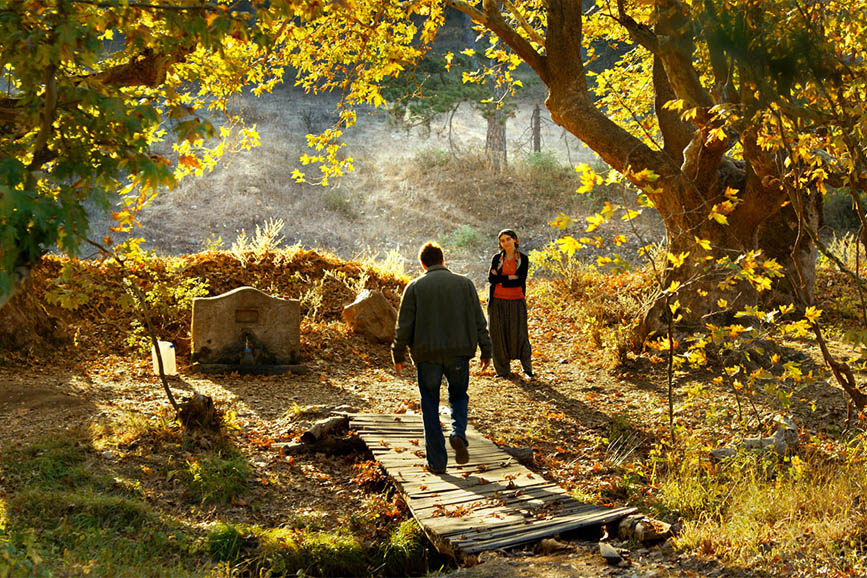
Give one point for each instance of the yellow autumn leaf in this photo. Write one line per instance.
(449, 58)
(675, 105)
(812, 314)
(703, 243)
(594, 221)
(718, 217)
(569, 245)
(717, 134)
(677, 260)
(726, 207)
(561, 221)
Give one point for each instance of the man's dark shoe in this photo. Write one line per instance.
(459, 444)
(436, 470)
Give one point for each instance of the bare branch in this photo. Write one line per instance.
(146, 6)
(531, 32)
(493, 20)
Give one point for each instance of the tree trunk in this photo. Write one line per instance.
(495, 143)
(708, 276)
(536, 126)
(25, 325)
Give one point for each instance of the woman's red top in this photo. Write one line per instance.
(510, 267)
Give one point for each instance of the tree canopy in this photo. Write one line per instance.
(730, 116)
(92, 86)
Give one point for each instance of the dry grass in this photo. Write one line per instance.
(795, 515)
(407, 188)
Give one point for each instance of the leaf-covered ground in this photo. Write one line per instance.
(87, 381)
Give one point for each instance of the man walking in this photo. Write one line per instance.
(441, 321)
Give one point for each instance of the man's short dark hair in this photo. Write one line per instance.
(430, 254)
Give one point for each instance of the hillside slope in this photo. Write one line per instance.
(409, 186)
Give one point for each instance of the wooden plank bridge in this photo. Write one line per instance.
(489, 503)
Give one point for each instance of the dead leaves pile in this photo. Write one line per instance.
(102, 323)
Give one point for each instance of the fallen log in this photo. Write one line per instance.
(642, 529)
(523, 455)
(319, 429)
(333, 446)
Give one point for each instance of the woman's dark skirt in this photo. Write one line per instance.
(508, 325)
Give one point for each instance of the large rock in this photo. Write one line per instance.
(371, 314)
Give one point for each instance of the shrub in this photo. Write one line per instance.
(606, 307)
(839, 213)
(464, 237)
(762, 511)
(224, 543)
(546, 176)
(430, 158)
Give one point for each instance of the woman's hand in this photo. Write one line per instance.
(493, 271)
(513, 277)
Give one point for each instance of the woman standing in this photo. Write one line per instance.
(507, 307)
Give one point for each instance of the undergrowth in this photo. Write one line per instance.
(69, 507)
(803, 514)
(90, 302)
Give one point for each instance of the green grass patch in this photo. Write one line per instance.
(79, 532)
(58, 463)
(307, 551)
(288, 550)
(407, 551)
(67, 514)
(464, 237)
(216, 478)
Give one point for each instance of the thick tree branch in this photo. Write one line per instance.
(573, 108)
(40, 148)
(491, 18)
(724, 90)
(676, 133)
(149, 6)
(675, 50)
(762, 194)
(148, 69)
(640, 33)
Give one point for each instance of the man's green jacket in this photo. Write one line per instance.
(440, 319)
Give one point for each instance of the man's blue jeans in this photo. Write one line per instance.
(430, 375)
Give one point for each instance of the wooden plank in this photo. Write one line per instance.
(525, 536)
(506, 528)
(507, 496)
(491, 502)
